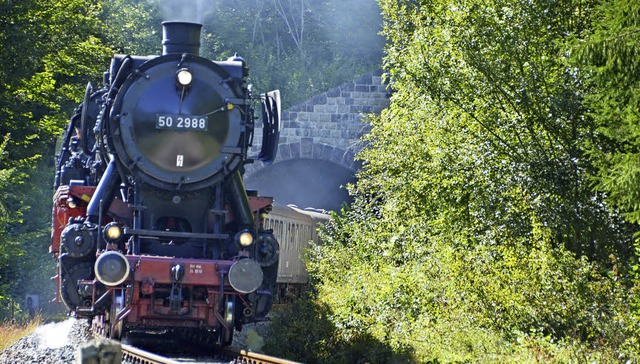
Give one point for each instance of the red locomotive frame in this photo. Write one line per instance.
(139, 308)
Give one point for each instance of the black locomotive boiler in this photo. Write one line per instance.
(153, 229)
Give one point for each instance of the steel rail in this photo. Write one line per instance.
(240, 356)
(134, 355)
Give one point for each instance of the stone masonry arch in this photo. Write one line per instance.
(324, 129)
(306, 148)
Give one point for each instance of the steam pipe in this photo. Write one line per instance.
(104, 192)
(237, 198)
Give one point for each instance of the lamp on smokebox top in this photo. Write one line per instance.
(112, 268)
(184, 77)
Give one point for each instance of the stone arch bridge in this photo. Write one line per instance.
(318, 141)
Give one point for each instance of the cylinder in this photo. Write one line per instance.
(180, 37)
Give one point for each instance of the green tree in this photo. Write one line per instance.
(48, 49)
(302, 48)
(133, 27)
(609, 56)
(475, 235)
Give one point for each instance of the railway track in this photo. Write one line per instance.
(244, 357)
(133, 355)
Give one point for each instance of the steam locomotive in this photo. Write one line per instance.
(153, 229)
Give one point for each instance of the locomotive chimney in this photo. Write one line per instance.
(180, 37)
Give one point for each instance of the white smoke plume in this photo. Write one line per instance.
(194, 11)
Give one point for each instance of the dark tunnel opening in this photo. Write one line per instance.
(304, 182)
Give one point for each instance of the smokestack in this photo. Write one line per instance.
(180, 37)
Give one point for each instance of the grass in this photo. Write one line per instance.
(11, 332)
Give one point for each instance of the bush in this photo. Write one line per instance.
(303, 331)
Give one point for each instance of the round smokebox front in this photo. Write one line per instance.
(175, 134)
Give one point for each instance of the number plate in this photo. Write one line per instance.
(182, 122)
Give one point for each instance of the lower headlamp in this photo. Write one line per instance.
(245, 276)
(112, 268)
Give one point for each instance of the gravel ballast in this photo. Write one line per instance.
(53, 343)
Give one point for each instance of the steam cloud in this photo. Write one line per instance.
(194, 11)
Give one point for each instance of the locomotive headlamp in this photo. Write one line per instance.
(245, 275)
(184, 77)
(244, 238)
(112, 268)
(112, 232)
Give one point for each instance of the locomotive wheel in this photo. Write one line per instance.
(113, 331)
(69, 286)
(117, 331)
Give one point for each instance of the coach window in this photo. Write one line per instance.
(290, 235)
(285, 234)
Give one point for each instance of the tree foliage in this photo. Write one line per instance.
(132, 27)
(610, 55)
(300, 47)
(475, 234)
(48, 49)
